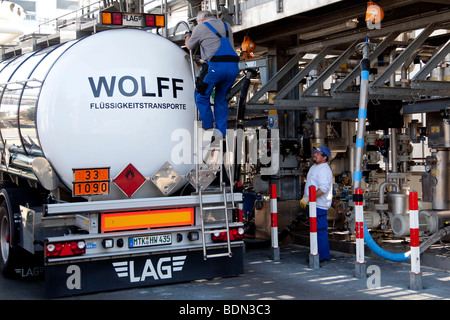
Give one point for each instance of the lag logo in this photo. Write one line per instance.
(164, 268)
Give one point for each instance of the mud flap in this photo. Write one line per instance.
(156, 269)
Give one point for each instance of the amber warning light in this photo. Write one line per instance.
(133, 19)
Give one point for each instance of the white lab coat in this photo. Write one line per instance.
(321, 177)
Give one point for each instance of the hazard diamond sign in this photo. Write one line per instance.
(129, 180)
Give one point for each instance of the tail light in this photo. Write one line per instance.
(114, 18)
(236, 234)
(64, 249)
(154, 20)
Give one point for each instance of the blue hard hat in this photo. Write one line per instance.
(324, 150)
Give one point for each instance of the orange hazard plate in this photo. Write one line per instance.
(86, 175)
(147, 219)
(90, 188)
(92, 181)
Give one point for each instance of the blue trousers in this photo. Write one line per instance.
(322, 234)
(221, 75)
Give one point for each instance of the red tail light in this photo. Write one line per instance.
(64, 249)
(236, 234)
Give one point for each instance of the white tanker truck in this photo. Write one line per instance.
(96, 145)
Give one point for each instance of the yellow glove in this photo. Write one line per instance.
(304, 202)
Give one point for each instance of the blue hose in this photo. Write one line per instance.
(399, 257)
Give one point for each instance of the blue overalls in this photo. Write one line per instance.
(222, 72)
(322, 234)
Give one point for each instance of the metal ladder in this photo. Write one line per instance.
(224, 207)
(198, 154)
(225, 228)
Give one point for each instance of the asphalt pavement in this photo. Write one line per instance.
(290, 278)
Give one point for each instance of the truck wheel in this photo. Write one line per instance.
(9, 252)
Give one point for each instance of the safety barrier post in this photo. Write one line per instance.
(274, 222)
(415, 279)
(313, 251)
(360, 265)
(240, 215)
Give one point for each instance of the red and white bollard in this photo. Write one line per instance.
(240, 216)
(359, 233)
(274, 222)
(415, 274)
(313, 246)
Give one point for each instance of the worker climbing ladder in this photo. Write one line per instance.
(208, 161)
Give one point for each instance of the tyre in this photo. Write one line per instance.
(15, 261)
(9, 254)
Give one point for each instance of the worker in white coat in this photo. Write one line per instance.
(320, 176)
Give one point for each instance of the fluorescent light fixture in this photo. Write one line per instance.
(351, 24)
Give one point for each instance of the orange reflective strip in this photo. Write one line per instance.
(147, 219)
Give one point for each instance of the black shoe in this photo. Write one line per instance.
(323, 260)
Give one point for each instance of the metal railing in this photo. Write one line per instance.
(88, 11)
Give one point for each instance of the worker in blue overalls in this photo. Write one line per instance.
(215, 39)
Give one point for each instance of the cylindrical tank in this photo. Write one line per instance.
(441, 188)
(398, 202)
(107, 100)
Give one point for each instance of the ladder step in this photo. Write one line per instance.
(209, 170)
(218, 208)
(214, 208)
(213, 148)
(216, 255)
(216, 230)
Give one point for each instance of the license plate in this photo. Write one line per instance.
(147, 241)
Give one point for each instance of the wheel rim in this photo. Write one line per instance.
(4, 238)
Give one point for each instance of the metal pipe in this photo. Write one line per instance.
(362, 114)
(394, 149)
(384, 185)
(434, 238)
(190, 51)
(240, 118)
(319, 126)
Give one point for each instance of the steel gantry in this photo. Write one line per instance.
(343, 93)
